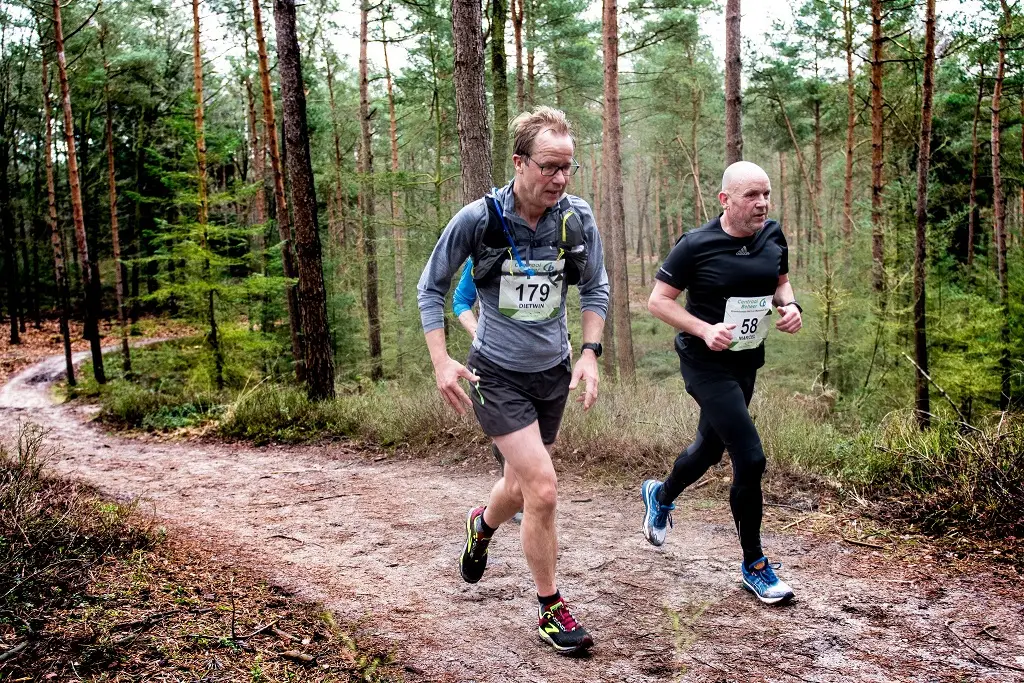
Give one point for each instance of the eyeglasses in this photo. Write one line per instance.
(548, 170)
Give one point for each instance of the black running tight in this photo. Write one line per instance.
(724, 396)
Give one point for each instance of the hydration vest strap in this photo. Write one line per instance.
(508, 235)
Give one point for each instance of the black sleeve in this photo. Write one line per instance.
(678, 267)
(784, 257)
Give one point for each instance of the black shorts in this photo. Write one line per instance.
(505, 401)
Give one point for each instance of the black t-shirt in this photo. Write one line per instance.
(711, 265)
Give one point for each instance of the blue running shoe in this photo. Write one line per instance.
(759, 578)
(657, 517)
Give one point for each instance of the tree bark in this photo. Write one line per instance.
(733, 96)
(90, 283)
(877, 233)
(517, 29)
(338, 193)
(281, 214)
(471, 100)
(614, 215)
(312, 294)
(203, 219)
(60, 275)
(531, 35)
(999, 209)
(851, 122)
(397, 231)
(921, 215)
(115, 237)
(368, 199)
(499, 84)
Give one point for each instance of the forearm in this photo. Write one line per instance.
(436, 346)
(468, 321)
(593, 327)
(783, 293)
(670, 311)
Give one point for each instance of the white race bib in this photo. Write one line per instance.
(531, 298)
(750, 316)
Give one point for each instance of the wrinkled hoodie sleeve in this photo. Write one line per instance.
(452, 249)
(594, 280)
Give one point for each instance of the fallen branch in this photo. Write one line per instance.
(867, 544)
(981, 654)
(261, 629)
(940, 390)
(298, 502)
(297, 656)
(14, 651)
(284, 634)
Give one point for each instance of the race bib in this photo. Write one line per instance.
(750, 316)
(531, 298)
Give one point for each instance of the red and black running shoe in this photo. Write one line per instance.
(557, 627)
(474, 556)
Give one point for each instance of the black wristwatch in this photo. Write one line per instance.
(593, 346)
(798, 306)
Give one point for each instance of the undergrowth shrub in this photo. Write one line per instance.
(52, 533)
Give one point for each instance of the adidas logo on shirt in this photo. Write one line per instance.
(743, 251)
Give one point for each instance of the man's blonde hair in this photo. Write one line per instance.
(526, 127)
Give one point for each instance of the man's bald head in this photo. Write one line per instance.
(739, 173)
(745, 198)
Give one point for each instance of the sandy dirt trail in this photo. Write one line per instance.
(376, 540)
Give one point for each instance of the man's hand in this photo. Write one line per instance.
(719, 337)
(790, 321)
(447, 374)
(586, 369)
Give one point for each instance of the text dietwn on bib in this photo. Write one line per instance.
(531, 298)
(750, 316)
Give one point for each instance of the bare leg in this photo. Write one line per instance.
(534, 487)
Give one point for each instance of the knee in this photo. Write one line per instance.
(541, 496)
(749, 467)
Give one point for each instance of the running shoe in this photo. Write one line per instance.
(657, 517)
(474, 557)
(760, 579)
(557, 627)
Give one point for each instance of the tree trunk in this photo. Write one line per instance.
(397, 232)
(312, 294)
(115, 237)
(60, 275)
(819, 186)
(203, 219)
(531, 36)
(614, 215)
(281, 214)
(90, 283)
(661, 235)
(339, 191)
(368, 199)
(783, 190)
(517, 30)
(499, 83)
(921, 215)
(851, 122)
(471, 100)
(733, 96)
(999, 210)
(877, 233)
(7, 225)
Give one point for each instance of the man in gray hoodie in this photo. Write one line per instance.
(529, 241)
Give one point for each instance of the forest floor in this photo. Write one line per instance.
(375, 538)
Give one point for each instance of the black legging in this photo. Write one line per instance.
(723, 395)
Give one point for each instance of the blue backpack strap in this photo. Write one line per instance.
(493, 196)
